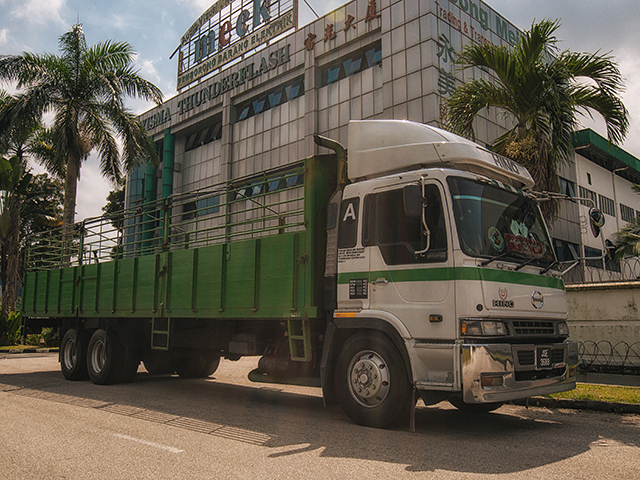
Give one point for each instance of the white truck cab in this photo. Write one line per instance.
(440, 246)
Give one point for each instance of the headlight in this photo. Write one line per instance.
(478, 328)
(563, 328)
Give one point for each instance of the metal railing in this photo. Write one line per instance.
(603, 271)
(605, 357)
(269, 204)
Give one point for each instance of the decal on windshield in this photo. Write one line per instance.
(496, 239)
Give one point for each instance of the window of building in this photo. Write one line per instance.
(201, 207)
(205, 133)
(627, 214)
(567, 187)
(586, 193)
(607, 205)
(351, 64)
(596, 256)
(399, 234)
(270, 99)
(589, 178)
(565, 251)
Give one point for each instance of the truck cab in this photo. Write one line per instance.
(443, 254)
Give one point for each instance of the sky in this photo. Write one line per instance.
(154, 28)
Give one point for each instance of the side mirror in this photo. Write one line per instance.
(596, 219)
(412, 201)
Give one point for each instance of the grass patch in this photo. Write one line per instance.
(601, 393)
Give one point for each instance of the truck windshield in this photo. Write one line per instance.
(495, 222)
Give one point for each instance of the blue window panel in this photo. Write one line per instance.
(293, 91)
(244, 113)
(258, 105)
(374, 56)
(207, 206)
(352, 66)
(274, 99)
(334, 73)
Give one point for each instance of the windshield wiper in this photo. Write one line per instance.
(493, 259)
(549, 267)
(525, 263)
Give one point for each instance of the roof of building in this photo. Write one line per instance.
(596, 148)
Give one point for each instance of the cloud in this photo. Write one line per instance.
(4, 34)
(39, 12)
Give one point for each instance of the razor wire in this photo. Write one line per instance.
(607, 357)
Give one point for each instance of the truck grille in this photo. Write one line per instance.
(528, 327)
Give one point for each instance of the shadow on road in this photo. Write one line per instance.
(510, 440)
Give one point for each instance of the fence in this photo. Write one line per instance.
(266, 204)
(602, 270)
(605, 357)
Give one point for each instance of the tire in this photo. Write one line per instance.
(371, 381)
(105, 358)
(158, 363)
(191, 366)
(73, 354)
(130, 366)
(474, 408)
(212, 364)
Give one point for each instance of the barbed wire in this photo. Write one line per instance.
(606, 357)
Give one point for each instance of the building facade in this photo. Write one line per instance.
(242, 110)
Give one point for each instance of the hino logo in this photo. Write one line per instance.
(504, 303)
(537, 300)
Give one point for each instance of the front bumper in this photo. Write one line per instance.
(503, 372)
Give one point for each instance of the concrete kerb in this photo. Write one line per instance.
(31, 350)
(610, 407)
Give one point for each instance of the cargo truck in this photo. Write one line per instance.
(420, 267)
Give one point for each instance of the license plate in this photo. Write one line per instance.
(543, 358)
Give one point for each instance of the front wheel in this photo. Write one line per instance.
(371, 381)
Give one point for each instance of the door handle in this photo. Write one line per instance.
(380, 281)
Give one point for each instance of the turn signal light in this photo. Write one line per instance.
(495, 381)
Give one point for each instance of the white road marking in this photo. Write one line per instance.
(150, 444)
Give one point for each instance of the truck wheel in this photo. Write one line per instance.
(475, 408)
(191, 366)
(213, 362)
(105, 358)
(130, 365)
(371, 381)
(73, 354)
(158, 364)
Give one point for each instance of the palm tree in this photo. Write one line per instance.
(542, 91)
(85, 88)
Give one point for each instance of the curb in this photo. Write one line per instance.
(610, 407)
(32, 350)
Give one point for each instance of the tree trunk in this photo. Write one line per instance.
(11, 249)
(69, 211)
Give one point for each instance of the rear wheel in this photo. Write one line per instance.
(197, 365)
(158, 363)
(105, 358)
(73, 354)
(371, 381)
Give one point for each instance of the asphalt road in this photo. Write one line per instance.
(227, 427)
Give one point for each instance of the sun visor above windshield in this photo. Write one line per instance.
(382, 147)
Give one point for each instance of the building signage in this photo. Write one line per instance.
(228, 30)
(229, 82)
(487, 18)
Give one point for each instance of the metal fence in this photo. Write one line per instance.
(602, 270)
(605, 357)
(270, 203)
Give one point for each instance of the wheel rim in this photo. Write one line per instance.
(70, 354)
(98, 356)
(368, 378)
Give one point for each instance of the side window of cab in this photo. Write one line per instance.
(398, 231)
